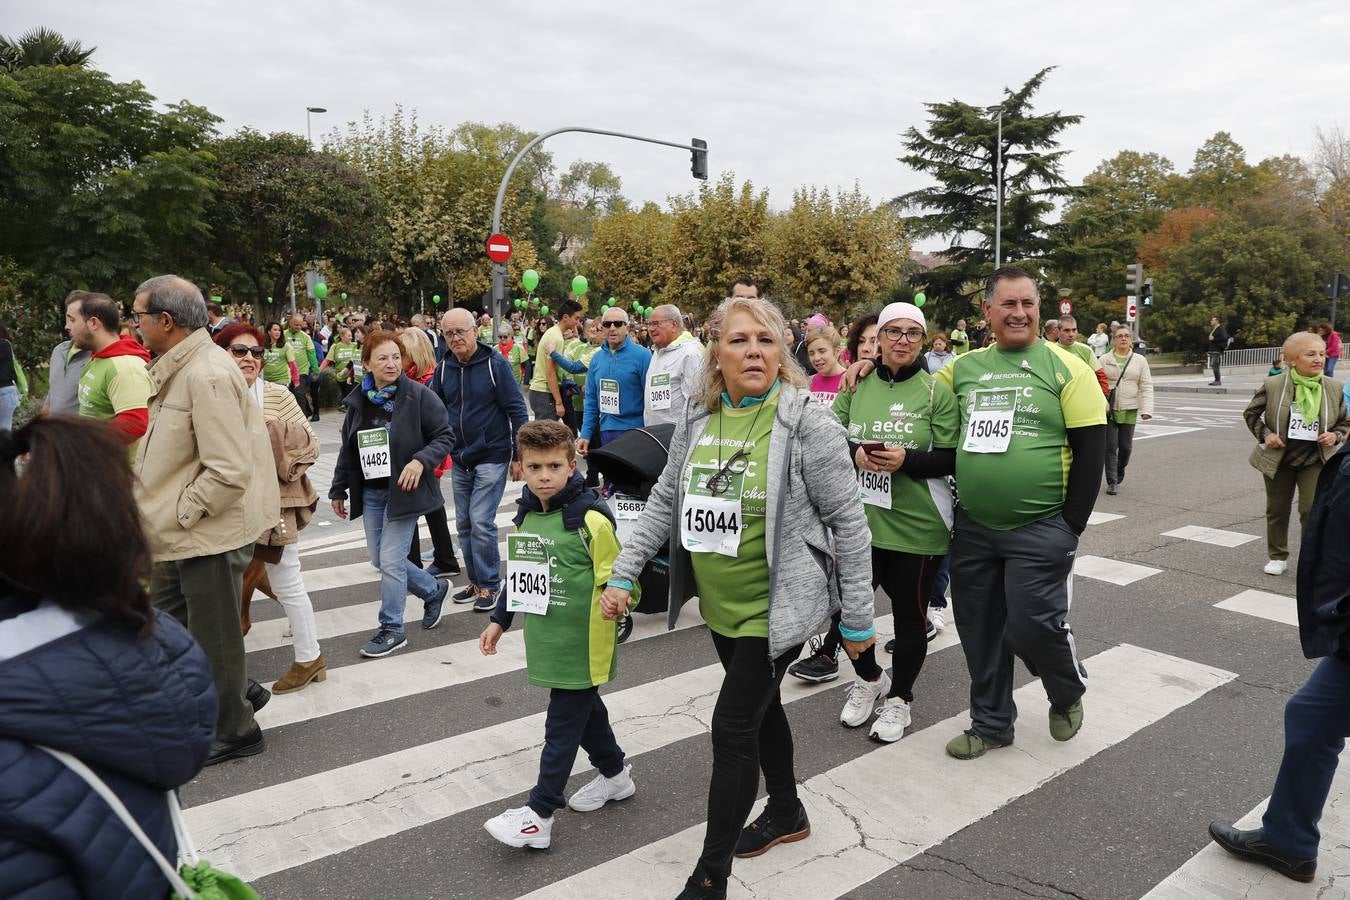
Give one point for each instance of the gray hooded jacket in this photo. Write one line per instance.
(819, 545)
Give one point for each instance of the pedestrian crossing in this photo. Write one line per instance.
(397, 762)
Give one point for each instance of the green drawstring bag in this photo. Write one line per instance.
(196, 879)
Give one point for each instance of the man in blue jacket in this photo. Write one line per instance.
(486, 409)
(614, 385)
(1317, 718)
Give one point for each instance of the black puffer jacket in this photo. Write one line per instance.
(140, 712)
(1324, 566)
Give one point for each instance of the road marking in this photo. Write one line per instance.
(1215, 536)
(1101, 518)
(1214, 874)
(865, 820)
(287, 825)
(1145, 432)
(352, 540)
(1114, 571)
(1208, 409)
(406, 673)
(1263, 605)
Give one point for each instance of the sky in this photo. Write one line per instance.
(787, 94)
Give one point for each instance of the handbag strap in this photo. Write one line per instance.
(98, 786)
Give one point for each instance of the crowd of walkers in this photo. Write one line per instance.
(807, 466)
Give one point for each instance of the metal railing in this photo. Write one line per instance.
(1255, 358)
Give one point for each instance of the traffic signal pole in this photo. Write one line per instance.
(699, 155)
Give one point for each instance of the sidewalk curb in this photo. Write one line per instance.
(1188, 389)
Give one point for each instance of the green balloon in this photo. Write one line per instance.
(529, 280)
(320, 290)
(543, 310)
(215, 298)
(269, 299)
(920, 299)
(436, 298)
(612, 302)
(580, 286)
(344, 295)
(518, 303)
(604, 308)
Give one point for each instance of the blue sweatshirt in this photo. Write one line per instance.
(484, 404)
(628, 366)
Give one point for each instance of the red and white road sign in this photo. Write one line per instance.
(1065, 308)
(499, 248)
(1131, 309)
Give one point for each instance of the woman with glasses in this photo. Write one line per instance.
(769, 560)
(902, 430)
(294, 450)
(1131, 401)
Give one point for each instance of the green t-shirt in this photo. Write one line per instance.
(581, 351)
(276, 363)
(112, 385)
(1123, 416)
(960, 340)
(301, 346)
(1048, 389)
(1083, 352)
(734, 592)
(573, 646)
(516, 356)
(919, 519)
(342, 355)
(550, 341)
(485, 333)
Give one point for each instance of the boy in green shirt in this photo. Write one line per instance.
(558, 563)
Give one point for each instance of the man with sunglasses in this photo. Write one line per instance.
(615, 382)
(114, 384)
(677, 365)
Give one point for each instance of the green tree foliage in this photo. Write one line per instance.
(959, 151)
(628, 256)
(41, 47)
(716, 235)
(278, 205)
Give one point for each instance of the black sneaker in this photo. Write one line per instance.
(700, 887)
(817, 668)
(764, 833)
(485, 603)
(257, 695)
(431, 609)
(1250, 845)
(466, 594)
(890, 646)
(929, 631)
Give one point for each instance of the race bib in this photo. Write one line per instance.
(627, 510)
(711, 524)
(875, 488)
(357, 371)
(372, 448)
(658, 394)
(526, 574)
(1300, 430)
(609, 396)
(989, 429)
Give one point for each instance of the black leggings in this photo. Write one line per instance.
(315, 382)
(443, 545)
(750, 734)
(907, 578)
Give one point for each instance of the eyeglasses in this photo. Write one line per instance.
(239, 351)
(136, 314)
(613, 324)
(660, 321)
(720, 481)
(914, 335)
(458, 332)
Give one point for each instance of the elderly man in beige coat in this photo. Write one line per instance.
(206, 489)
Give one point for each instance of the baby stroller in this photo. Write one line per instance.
(632, 463)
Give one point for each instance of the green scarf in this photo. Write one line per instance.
(1308, 395)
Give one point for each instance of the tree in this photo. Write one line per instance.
(628, 256)
(41, 47)
(827, 253)
(1220, 173)
(586, 191)
(716, 235)
(279, 205)
(960, 152)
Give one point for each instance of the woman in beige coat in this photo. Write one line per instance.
(1131, 400)
(294, 449)
(1299, 421)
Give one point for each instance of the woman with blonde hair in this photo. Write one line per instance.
(769, 560)
(1299, 421)
(420, 365)
(822, 349)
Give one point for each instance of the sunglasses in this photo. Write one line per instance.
(239, 351)
(613, 324)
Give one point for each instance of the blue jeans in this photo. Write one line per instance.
(937, 598)
(1316, 723)
(9, 401)
(478, 493)
(1329, 367)
(388, 540)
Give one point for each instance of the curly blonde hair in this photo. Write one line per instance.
(768, 317)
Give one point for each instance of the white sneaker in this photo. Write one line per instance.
(1277, 566)
(862, 699)
(935, 618)
(892, 720)
(521, 828)
(601, 790)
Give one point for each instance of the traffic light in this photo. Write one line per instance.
(1337, 285)
(699, 159)
(1146, 293)
(1134, 279)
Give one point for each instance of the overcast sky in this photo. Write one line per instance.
(786, 93)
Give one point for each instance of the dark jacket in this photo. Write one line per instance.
(484, 405)
(1324, 566)
(417, 431)
(1218, 340)
(140, 712)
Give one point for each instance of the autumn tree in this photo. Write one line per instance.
(628, 256)
(716, 235)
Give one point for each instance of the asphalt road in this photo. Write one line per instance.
(376, 783)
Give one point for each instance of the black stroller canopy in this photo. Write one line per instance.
(634, 461)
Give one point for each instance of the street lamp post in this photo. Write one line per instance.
(998, 181)
(309, 132)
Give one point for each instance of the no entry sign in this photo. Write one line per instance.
(1065, 308)
(499, 248)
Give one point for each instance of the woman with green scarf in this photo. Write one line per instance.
(1299, 421)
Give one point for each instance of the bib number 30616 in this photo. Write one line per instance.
(609, 396)
(527, 574)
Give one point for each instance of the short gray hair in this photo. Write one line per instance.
(626, 319)
(671, 310)
(176, 296)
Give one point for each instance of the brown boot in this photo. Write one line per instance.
(299, 675)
